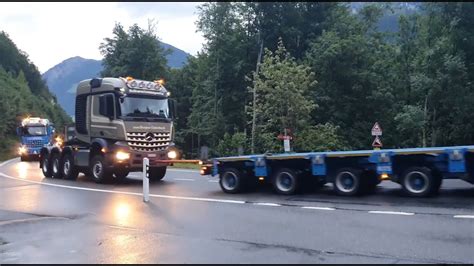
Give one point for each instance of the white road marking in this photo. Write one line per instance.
(390, 212)
(184, 179)
(126, 193)
(7, 162)
(464, 216)
(213, 181)
(319, 208)
(267, 204)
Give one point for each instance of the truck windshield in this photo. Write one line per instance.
(34, 131)
(133, 106)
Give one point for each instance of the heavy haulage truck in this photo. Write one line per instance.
(419, 171)
(34, 133)
(118, 122)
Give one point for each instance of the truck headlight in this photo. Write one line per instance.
(120, 155)
(172, 154)
(22, 150)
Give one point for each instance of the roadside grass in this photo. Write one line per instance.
(8, 148)
(186, 166)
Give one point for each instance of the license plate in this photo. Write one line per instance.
(151, 155)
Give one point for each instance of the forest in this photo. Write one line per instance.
(321, 70)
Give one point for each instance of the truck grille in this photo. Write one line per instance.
(148, 142)
(34, 144)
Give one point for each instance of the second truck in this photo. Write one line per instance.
(118, 122)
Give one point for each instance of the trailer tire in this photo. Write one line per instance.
(46, 166)
(420, 182)
(56, 168)
(347, 181)
(231, 180)
(70, 171)
(286, 181)
(100, 174)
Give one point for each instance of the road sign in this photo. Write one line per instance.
(377, 142)
(376, 130)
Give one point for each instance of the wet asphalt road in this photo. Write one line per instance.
(189, 220)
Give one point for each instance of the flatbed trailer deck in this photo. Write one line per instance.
(419, 171)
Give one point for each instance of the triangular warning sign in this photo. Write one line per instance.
(376, 130)
(377, 142)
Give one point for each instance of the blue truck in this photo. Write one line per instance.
(34, 133)
(420, 171)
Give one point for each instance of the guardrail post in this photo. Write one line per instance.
(146, 180)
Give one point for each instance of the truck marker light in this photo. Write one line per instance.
(103, 150)
(129, 78)
(384, 176)
(261, 178)
(200, 162)
(120, 155)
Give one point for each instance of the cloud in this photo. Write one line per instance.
(53, 32)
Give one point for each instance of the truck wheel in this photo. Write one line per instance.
(56, 166)
(157, 173)
(286, 181)
(231, 180)
(99, 172)
(46, 166)
(348, 181)
(420, 182)
(69, 170)
(121, 174)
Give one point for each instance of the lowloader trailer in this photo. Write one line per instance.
(419, 171)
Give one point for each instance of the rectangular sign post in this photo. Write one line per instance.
(146, 180)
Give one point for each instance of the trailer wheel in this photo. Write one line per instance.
(420, 182)
(286, 181)
(56, 166)
(231, 180)
(348, 181)
(46, 166)
(69, 170)
(99, 172)
(157, 173)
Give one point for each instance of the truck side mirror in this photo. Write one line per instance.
(173, 108)
(106, 106)
(18, 131)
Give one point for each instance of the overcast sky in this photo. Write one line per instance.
(52, 32)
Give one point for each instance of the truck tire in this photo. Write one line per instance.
(286, 181)
(157, 173)
(70, 171)
(347, 182)
(231, 180)
(46, 166)
(56, 169)
(420, 182)
(100, 174)
(121, 174)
